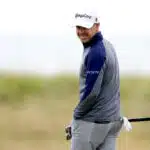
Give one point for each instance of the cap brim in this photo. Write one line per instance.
(82, 23)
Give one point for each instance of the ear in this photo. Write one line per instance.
(97, 26)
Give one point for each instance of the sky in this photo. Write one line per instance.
(36, 35)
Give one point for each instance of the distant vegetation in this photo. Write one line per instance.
(37, 108)
(16, 88)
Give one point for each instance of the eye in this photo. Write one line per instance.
(78, 27)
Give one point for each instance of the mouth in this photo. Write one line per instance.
(83, 37)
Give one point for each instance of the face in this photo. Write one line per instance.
(86, 34)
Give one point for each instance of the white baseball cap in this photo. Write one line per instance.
(86, 19)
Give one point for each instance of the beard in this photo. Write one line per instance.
(84, 37)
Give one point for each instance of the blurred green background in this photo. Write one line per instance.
(35, 109)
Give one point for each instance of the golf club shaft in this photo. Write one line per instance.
(139, 119)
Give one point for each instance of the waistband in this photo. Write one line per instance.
(102, 122)
(106, 122)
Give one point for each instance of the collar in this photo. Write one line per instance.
(97, 37)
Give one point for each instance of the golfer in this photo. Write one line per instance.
(96, 120)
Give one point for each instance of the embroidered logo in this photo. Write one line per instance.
(83, 16)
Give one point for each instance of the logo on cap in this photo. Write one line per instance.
(83, 16)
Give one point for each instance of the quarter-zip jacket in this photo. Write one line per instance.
(99, 82)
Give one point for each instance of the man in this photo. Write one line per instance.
(96, 119)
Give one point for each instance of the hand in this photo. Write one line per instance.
(68, 132)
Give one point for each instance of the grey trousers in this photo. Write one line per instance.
(93, 136)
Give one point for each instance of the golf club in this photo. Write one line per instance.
(139, 119)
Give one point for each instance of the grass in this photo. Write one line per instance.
(34, 111)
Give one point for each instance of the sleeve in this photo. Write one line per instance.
(94, 70)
